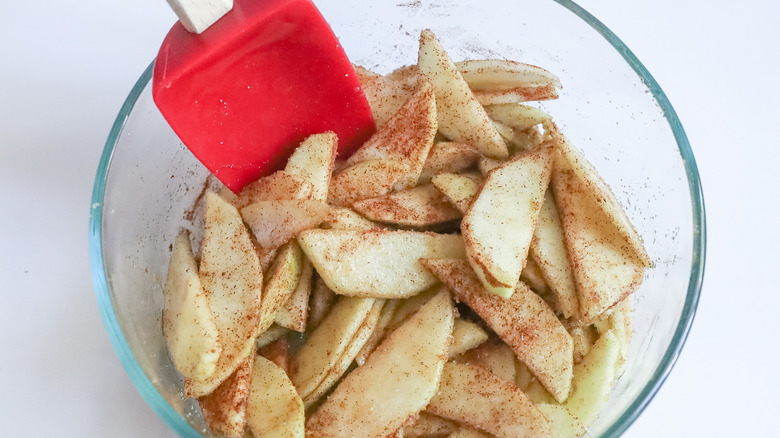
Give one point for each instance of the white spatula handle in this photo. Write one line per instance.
(198, 15)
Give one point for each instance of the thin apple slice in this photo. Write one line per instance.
(474, 396)
(416, 207)
(448, 157)
(606, 269)
(348, 356)
(385, 95)
(458, 189)
(429, 425)
(494, 356)
(533, 277)
(409, 306)
(232, 281)
(283, 278)
(379, 332)
(397, 381)
(461, 117)
(366, 179)
(501, 74)
(562, 423)
(524, 322)
(272, 334)
(326, 344)
(407, 75)
(465, 336)
(468, 432)
(276, 222)
(293, 314)
(275, 409)
(548, 250)
(225, 409)
(498, 227)
(515, 95)
(377, 263)
(277, 186)
(277, 352)
(583, 337)
(517, 116)
(188, 324)
(593, 379)
(406, 138)
(313, 160)
(320, 302)
(486, 165)
(619, 320)
(347, 219)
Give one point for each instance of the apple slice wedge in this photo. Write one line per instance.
(500, 223)
(225, 409)
(277, 186)
(461, 117)
(406, 138)
(448, 157)
(416, 207)
(524, 322)
(313, 161)
(347, 219)
(494, 356)
(397, 381)
(283, 277)
(502, 74)
(320, 302)
(377, 263)
(517, 116)
(385, 95)
(379, 332)
(274, 409)
(474, 396)
(188, 324)
(366, 179)
(294, 312)
(458, 189)
(276, 222)
(232, 280)
(465, 336)
(428, 425)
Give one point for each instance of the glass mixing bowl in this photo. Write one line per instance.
(610, 107)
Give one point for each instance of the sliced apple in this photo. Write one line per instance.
(417, 207)
(461, 117)
(272, 334)
(619, 320)
(225, 409)
(562, 423)
(517, 116)
(275, 409)
(366, 179)
(429, 425)
(465, 336)
(232, 281)
(448, 157)
(347, 219)
(593, 379)
(524, 322)
(379, 332)
(326, 344)
(494, 356)
(502, 74)
(583, 337)
(188, 324)
(498, 227)
(277, 186)
(409, 306)
(407, 75)
(486, 165)
(406, 138)
(515, 95)
(606, 269)
(283, 278)
(468, 432)
(276, 222)
(320, 302)
(277, 352)
(385, 95)
(313, 160)
(458, 189)
(474, 396)
(293, 314)
(349, 355)
(377, 263)
(533, 277)
(548, 250)
(397, 381)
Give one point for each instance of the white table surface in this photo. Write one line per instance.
(66, 67)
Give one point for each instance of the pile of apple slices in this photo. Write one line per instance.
(464, 274)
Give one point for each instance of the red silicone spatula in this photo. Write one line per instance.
(243, 93)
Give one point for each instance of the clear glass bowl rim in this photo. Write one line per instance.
(177, 422)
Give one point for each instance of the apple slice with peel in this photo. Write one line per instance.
(385, 95)
(502, 74)
(225, 409)
(448, 157)
(458, 189)
(366, 179)
(406, 138)
(461, 117)
(475, 397)
(277, 186)
(188, 324)
(517, 116)
(397, 381)
(499, 226)
(348, 356)
(232, 280)
(524, 322)
(377, 263)
(326, 344)
(548, 251)
(276, 222)
(275, 409)
(429, 425)
(593, 379)
(313, 161)
(465, 336)
(417, 207)
(294, 312)
(283, 278)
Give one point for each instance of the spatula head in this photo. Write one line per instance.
(245, 92)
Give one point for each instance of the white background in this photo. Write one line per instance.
(66, 67)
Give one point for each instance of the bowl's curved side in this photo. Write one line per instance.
(698, 219)
(141, 381)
